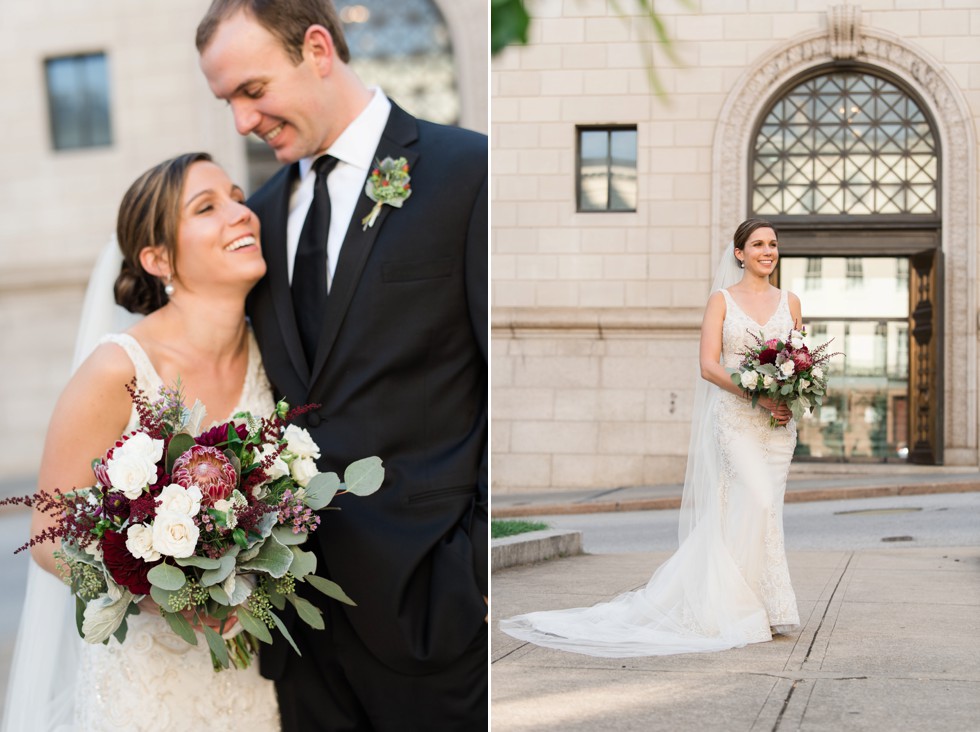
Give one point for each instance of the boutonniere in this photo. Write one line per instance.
(387, 184)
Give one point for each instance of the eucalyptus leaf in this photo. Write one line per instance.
(321, 490)
(238, 535)
(219, 595)
(166, 577)
(363, 477)
(179, 625)
(254, 626)
(285, 633)
(304, 563)
(120, 634)
(194, 561)
(160, 597)
(267, 523)
(307, 611)
(79, 615)
(179, 444)
(225, 566)
(278, 600)
(273, 559)
(217, 645)
(330, 589)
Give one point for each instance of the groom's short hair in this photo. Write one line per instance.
(287, 20)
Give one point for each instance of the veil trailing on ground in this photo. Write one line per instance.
(40, 689)
(696, 601)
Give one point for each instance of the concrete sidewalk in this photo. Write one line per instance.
(807, 482)
(890, 639)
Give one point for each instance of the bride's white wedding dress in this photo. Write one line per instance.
(156, 680)
(728, 583)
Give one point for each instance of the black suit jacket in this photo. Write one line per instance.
(400, 372)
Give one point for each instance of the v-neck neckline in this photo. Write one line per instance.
(779, 304)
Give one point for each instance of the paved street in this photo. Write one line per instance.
(941, 519)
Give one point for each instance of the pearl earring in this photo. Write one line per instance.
(741, 264)
(169, 287)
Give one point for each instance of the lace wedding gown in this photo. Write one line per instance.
(728, 583)
(156, 680)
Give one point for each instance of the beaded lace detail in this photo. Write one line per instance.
(747, 443)
(155, 681)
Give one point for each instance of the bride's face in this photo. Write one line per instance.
(218, 235)
(761, 252)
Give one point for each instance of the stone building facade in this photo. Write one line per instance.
(597, 302)
(58, 207)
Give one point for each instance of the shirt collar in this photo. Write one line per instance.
(358, 142)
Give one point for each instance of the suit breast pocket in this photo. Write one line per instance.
(410, 271)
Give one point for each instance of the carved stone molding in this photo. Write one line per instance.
(844, 30)
(945, 103)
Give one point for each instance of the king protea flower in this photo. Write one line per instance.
(208, 469)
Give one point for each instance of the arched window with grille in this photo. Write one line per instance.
(846, 163)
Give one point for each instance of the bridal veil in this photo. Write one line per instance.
(41, 684)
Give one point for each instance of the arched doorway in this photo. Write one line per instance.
(845, 160)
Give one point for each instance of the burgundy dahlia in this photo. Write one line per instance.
(125, 569)
(218, 435)
(768, 355)
(208, 469)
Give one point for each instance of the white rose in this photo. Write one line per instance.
(796, 339)
(749, 379)
(804, 384)
(768, 380)
(174, 534)
(303, 470)
(139, 541)
(787, 368)
(133, 465)
(817, 373)
(279, 467)
(177, 499)
(299, 442)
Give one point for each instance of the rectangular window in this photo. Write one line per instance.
(78, 101)
(606, 175)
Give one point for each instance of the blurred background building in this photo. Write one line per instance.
(852, 126)
(97, 92)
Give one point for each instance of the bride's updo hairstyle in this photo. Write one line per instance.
(149, 216)
(744, 231)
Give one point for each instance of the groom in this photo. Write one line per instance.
(384, 325)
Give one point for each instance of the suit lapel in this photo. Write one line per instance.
(400, 131)
(274, 221)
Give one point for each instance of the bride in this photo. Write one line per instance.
(728, 583)
(190, 256)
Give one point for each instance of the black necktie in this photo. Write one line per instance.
(309, 285)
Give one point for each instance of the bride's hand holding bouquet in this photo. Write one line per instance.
(203, 527)
(783, 376)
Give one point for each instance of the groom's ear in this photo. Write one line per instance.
(319, 45)
(155, 261)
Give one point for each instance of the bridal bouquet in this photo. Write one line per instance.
(785, 370)
(209, 524)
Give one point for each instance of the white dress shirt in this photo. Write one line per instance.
(354, 150)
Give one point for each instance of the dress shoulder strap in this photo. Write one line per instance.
(146, 376)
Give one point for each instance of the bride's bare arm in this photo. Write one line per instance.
(90, 415)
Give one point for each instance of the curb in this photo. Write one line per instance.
(673, 502)
(533, 546)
